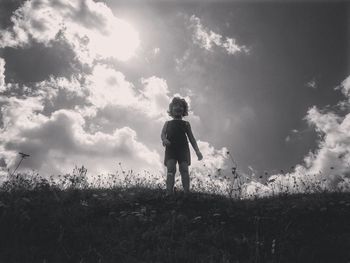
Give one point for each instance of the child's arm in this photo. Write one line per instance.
(165, 141)
(193, 141)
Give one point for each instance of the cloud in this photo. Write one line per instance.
(55, 123)
(345, 88)
(61, 93)
(109, 90)
(312, 84)
(61, 140)
(207, 38)
(91, 120)
(105, 89)
(334, 148)
(20, 113)
(155, 95)
(89, 27)
(213, 159)
(108, 86)
(2, 75)
(95, 119)
(58, 142)
(328, 167)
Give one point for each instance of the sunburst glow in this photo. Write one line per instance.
(121, 41)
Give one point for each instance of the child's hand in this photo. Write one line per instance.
(199, 155)
(166, 142)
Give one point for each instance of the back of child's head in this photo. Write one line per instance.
(181, 101)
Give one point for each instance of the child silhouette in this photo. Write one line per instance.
(176, 145)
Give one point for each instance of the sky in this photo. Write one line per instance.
(89, 83)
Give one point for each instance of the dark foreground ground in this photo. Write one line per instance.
(141, 225)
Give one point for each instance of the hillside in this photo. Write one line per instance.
(142, 225)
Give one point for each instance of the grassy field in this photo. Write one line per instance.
(136, 224)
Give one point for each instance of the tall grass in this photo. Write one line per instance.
(234, 185)
(125, 217)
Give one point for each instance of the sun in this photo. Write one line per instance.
(119, 41)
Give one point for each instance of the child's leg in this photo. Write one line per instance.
(185, 177)
(170, 179)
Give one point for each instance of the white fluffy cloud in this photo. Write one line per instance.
(328, 167)
(109, 87)
(311, 84)
(333, 154)
(56, 134)
(345, 87)
(95, 119)
(2, 75)
(207, 38)
(213, 159)
(58, 137)
(74, 121)
(58, 142)
(89, 27)
(155, 95)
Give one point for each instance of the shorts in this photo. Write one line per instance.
(178, 154)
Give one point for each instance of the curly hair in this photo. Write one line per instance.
(178, 100)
